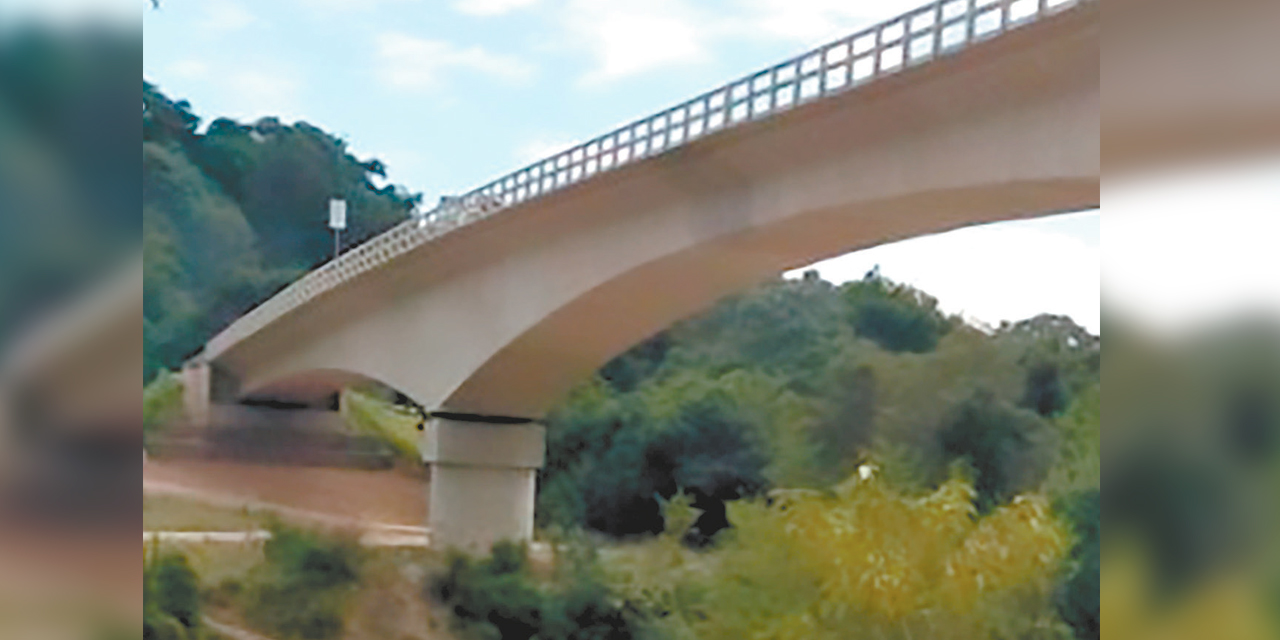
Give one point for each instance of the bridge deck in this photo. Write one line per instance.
(938, 29)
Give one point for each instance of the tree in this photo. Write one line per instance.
(612, 459)
(171, 597)
(894, 316)
(1078, 602)
(866, 561)
(202, 268)
(70, 206)
(785, 328)
(232, 214)
(638, 363)
(1060, 357)
(1010, 450)
(848, 428)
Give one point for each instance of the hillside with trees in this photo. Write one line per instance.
(235, 211)
(796, 383)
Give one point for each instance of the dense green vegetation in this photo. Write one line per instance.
(500, 598)
(863, 560)
(171, 598)
(1193, 466)
(795, 385)
(304, 585)
(301, 587)
(803, 460)
(161, 402)
(1078, 599)
(68, 203)
(236, 211)
(779, 387)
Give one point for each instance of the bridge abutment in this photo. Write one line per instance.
(483, 481)
(203, 384)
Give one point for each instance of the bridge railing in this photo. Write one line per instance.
(934, 30)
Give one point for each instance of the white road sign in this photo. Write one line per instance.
(337, 214)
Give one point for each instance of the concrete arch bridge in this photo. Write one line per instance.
(491, 307)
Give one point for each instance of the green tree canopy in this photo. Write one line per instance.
(234, 213)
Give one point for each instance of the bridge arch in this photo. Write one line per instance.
(501, 315)
(310, 388)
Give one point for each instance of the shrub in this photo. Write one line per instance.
(498, 598)
(1078, 598)
(894, 316)
(848, 426)
(161, 401)
(303, 586)
(1008, 448)
(1046, 393)
(869, 561)
(706, 449)
(162, 627)
(171, 597)
(1079, 465)
(611, 460)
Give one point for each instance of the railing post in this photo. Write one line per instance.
(970, 21)
(937, 29)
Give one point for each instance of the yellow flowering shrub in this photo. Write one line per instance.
(1231, 605)
(870, 561)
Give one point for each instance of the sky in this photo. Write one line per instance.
(1194, 246)
(452, 93)
(994, 272)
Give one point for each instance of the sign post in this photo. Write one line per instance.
(337, 222)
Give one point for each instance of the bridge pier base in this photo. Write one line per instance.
(203, 384)
(483, 480)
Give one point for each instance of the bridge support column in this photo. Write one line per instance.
(202, 385)
(483, 478)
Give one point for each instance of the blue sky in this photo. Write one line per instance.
(452, 93)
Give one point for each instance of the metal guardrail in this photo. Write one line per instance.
(937, 29)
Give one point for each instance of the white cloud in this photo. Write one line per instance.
(487, 8)
(329, 8)
(189, 69)
(629, 38)
(813, 22)
(990, 273)
(541, 148)
(225, 15)
(408, 62)
(1193, 246)
(260, 92)
(634, 37)
(335, 5)
(402, 163)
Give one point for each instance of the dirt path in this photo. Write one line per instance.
(233, 633)
(391, 500)
(372, 537)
